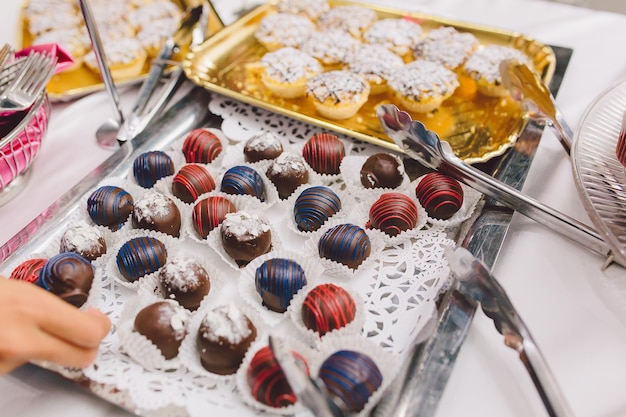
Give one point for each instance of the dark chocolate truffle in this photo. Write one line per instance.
(28, 270)
(165, 324)
(151, 166)
(83, 239)
(277, 280)
(324, 153)
(68, 275)
(245, 236)
(352, 377)
(158, 212)
(186, 281)
(110, 206)
(327, 307)
(393, 213)
(141, 256)
(191, 181)
(209, 212)
(202, 146)
(440, 195)
(224, 336)
(345, 243)
(314, 206)
(243, 180)
(267, 381)
(288, 172)
(382, 170)
(262, 145)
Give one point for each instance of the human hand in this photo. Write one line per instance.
(37, 325)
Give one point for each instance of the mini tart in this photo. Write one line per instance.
(153, 37)
(279, 30)
(286, 71)
(125, 57)
(144, 15)
(338, 94)
(54, 20)
(422, 86)
(308, 8)
(330, 47)
(352, 19)
(447, 46)
(398, 35)
(376, 63)
(484, 67)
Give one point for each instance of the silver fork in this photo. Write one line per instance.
(34, 74)
(5, 53)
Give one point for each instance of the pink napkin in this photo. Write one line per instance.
(64, 58)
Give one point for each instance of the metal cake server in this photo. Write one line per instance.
(427, 148)
(477, 284)
(526, 87)
(311, 393)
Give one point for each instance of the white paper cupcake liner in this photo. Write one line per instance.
(351, 173)
(294, 313)
(247, 289)
(189, 354)
(387, 362)
(176, 148)
(471, 198)
(172, 246)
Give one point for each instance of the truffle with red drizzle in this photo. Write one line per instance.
(28, 270)
(327, 307)
(440, 195)
(202, 146)
(324, 153)
(209, 212)
(393, 213)
(191, 181)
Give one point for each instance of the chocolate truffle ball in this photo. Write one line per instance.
(209, 213)
(83, 239)
(141, 256)
(202, 146)
(243, 180)
(185, 280)
(327, 307)
(158, 212)
(191, 181)
(352, 377)
(382, 170)
(440, 195)
(68, 275)
(267, 381)
(324, 153)
(28, 270)
(288, 172)
(245, 236)
(277, 280)
(149, 167)
(110, 206)
(224, 336)
(164, 323)
(262, 145)
(346, 243)
(393, 213)
(314, 206)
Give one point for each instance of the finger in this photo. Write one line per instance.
(45, 347)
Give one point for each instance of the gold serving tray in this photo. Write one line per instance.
(477, 127)
(70, 85)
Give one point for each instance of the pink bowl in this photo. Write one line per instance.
(21, 144)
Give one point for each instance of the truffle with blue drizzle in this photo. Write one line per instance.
(314, 206)
(141, 256)
(68, 275)
(352, 377)
(277, 280)
(149, 167)
(346, 243)
(110, 206)
(243, 180)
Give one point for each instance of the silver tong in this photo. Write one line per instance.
(426, 147)
(476, 283)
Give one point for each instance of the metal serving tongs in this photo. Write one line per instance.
(310, 392)
(139, 118)
(476, 283)
(426, 147)
(526, 87)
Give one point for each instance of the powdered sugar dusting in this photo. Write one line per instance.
(264, 140)
(152, 205)
(244, 225)
(287, 162)
(225, 322)
(330, 47)
(289, 65)
(375, 62)
(422, 79)
(397, 35)
(175, 316)
(485, 63)
(181, 273)
(447, 46)
(341, 86)
(81, 237)
(285, 29)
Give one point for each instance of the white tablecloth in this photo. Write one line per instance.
(576, 312)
